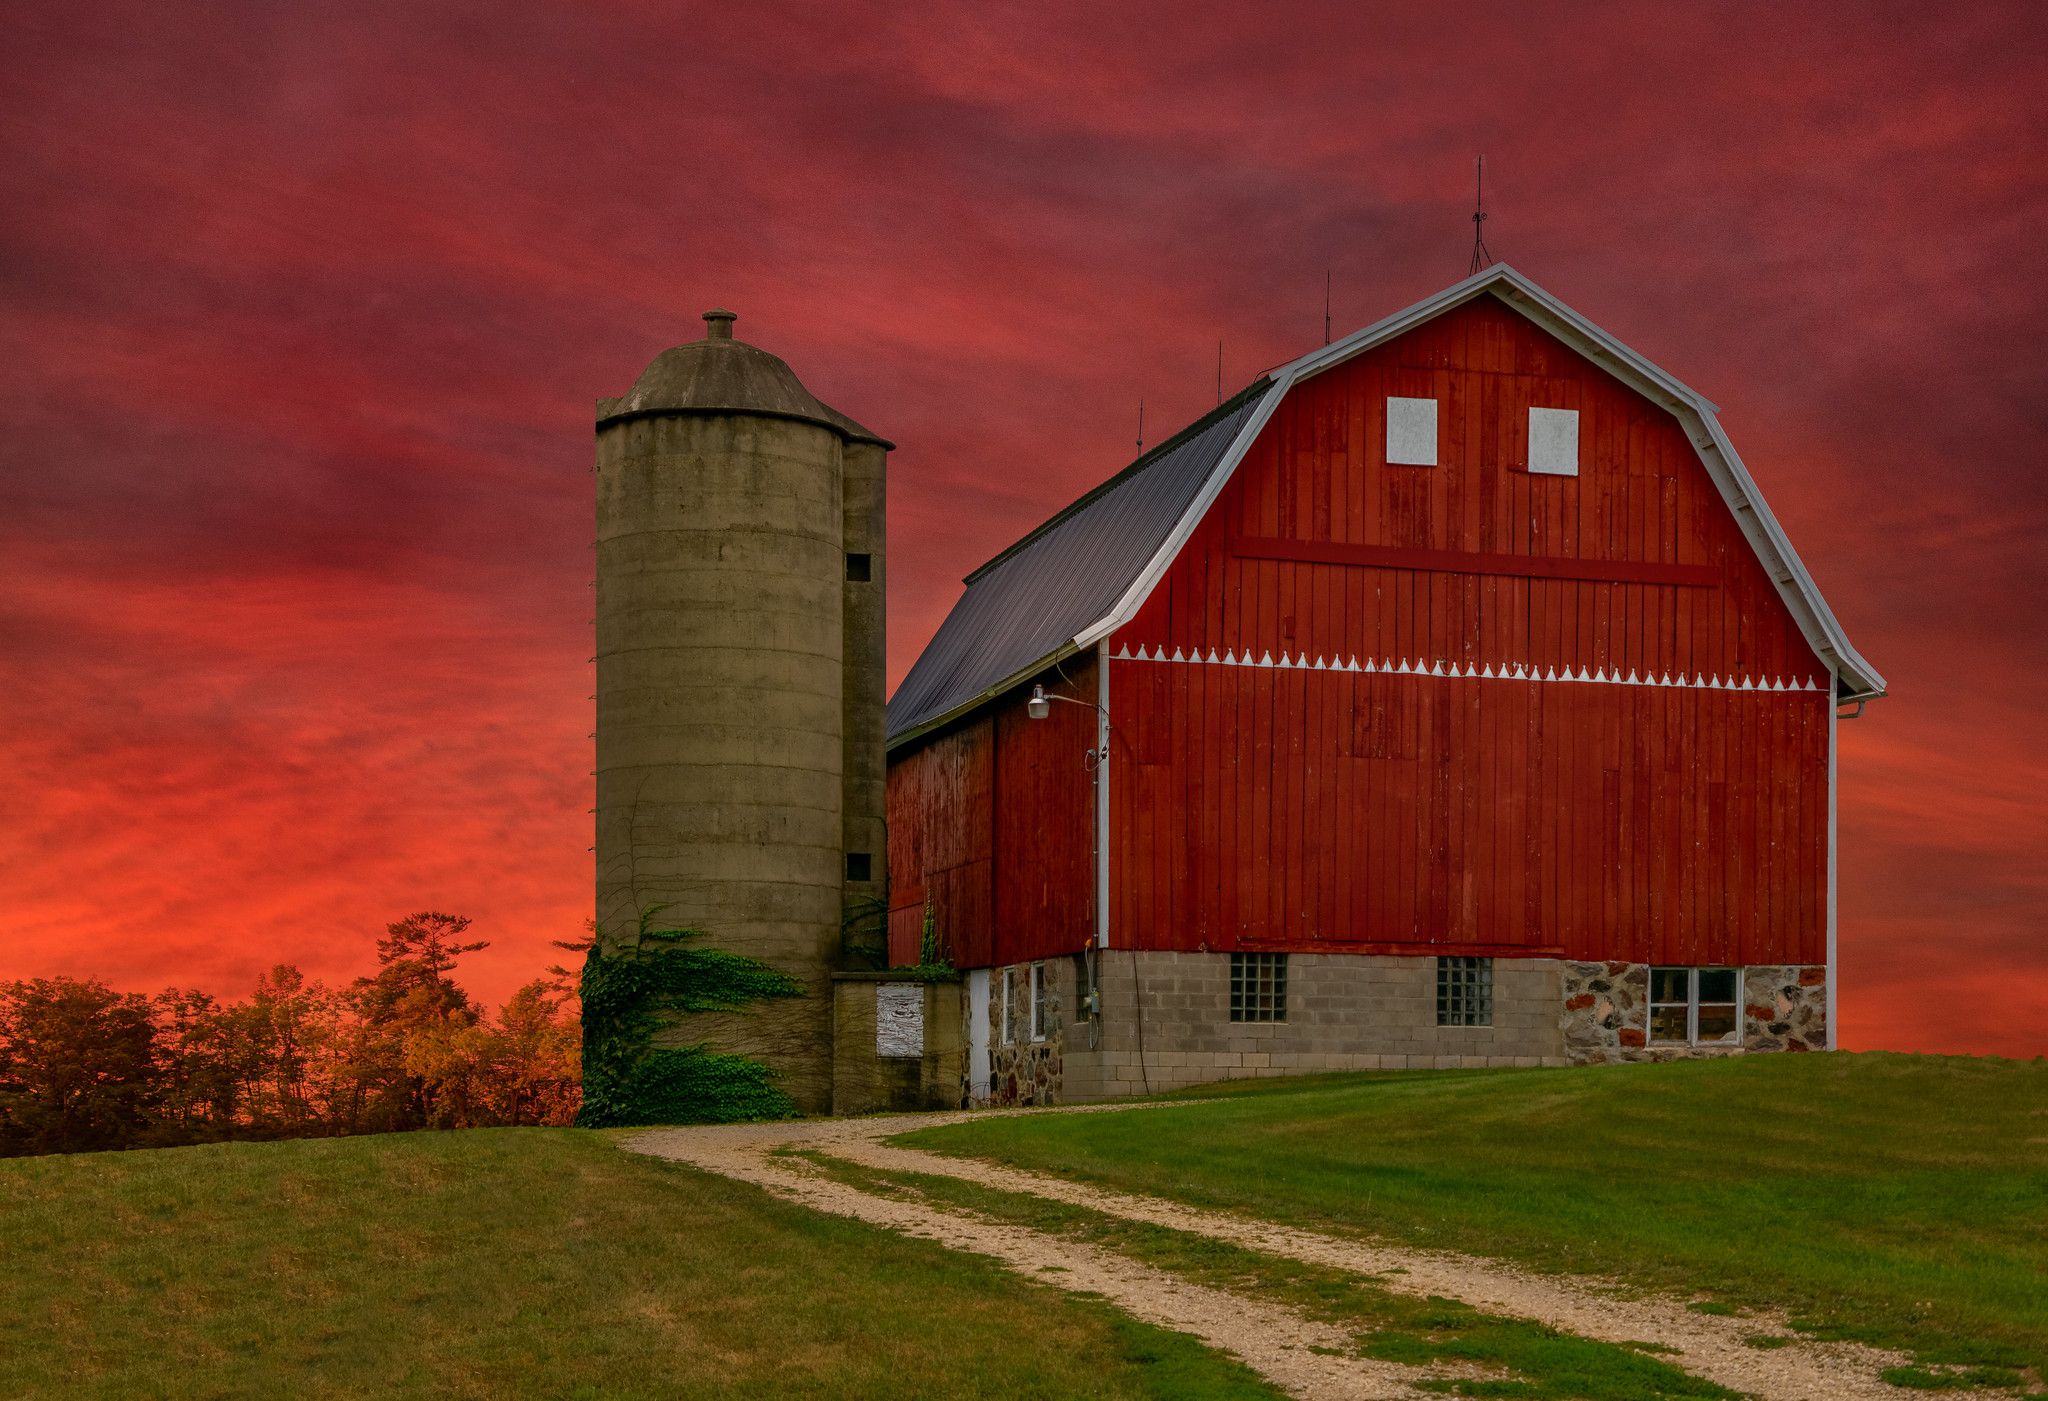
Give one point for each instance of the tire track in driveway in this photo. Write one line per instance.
(1707, 1345)
(1300, 1356)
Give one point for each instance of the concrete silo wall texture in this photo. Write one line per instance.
(739, 756)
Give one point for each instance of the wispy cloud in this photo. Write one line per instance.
(304, 310)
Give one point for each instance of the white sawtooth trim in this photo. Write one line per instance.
(1452, 670)
(1696, 414)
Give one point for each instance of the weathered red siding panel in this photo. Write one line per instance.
(941, 843)
(1257, 806)
(1044, 823)
(994, 823)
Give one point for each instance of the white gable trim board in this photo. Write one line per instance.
(1857, 679)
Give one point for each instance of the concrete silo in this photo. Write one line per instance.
(740, 768)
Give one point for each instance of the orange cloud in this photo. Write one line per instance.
(304, 311)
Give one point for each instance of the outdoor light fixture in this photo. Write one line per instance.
(1040, 706)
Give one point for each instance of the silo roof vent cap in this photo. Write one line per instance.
(720, 375)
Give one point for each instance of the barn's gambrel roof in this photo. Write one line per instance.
(1023, 608)
(1088, 570)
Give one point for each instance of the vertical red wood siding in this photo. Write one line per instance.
(1276, 807)
(994, 821)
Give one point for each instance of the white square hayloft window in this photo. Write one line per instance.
(1411, 432)
(1554, 442)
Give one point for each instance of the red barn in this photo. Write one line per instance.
(1449, 696)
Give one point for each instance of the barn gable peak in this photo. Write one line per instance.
(1001, 630)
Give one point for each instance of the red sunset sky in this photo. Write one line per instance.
(303, 309)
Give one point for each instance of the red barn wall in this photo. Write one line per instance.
(994, 820)
(1303, 809)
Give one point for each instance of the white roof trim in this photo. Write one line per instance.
(1695, 413)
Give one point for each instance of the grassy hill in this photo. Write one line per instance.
(1899, 1200)
(509, 1262)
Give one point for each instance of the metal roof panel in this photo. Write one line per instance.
(1025, 607)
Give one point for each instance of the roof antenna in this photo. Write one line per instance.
(1481, 255)
(1219, 370)
(1326, 306)
(1141, 425)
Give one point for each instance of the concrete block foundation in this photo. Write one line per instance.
(1165, 1021)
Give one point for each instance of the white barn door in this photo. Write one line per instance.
(977, 1036)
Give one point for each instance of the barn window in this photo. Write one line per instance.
(1041, 1002)
(1464, 992)
(1258, 987)
(1003, 1009)
(1694, 1007)
(1411, 432)
(1554, 442)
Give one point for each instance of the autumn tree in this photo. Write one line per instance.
(537, 1068)
(83, 1067)
(412, 1058)
(292, 1038)
(79, 1067)
(203, 1062)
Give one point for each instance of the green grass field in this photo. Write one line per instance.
(516, 1263)
(1893, 1199)
(1899, 1200)
(1523, 1359)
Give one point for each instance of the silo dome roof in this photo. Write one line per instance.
(721, 375)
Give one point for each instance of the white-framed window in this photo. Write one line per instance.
(1411, 432)
(1695, 1006)
(1554, 442)
(1004, 991)
(1041, 1002)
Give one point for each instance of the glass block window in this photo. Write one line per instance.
(1694, 1007)
(1464, 992)
(1258, 987)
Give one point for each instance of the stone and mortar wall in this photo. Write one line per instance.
(1023, 1071)
(1785, 1008)
(1607, 1013)
(1344, 1012)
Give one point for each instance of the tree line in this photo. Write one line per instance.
(83, 1067)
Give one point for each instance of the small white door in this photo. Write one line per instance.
(977, 1036)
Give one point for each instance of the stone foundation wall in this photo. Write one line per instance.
(1785, 1008)
(1607, 1014)
(1024, 1070)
